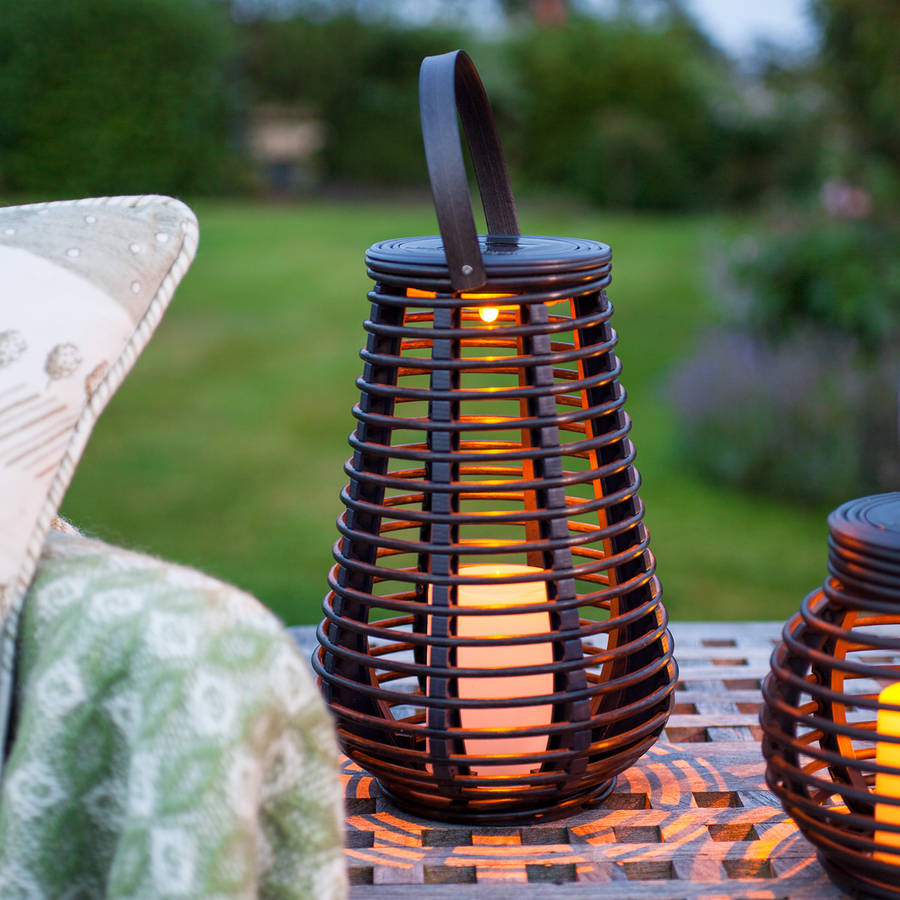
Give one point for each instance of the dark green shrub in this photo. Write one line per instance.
(838, 278)
(612, 110)
(114, 96)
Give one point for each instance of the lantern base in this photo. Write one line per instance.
(858, 883)
(569, 806)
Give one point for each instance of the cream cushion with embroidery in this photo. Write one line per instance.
(83, 285)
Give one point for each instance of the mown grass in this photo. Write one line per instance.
(224, 447)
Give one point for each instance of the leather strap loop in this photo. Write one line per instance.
(447, 84)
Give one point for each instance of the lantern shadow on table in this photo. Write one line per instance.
(494, 645)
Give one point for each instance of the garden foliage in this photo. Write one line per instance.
(808, 418)
(100, 97)
(105, 96)
(633, 116)
(360, 80)
(797, 394)
(616, 111)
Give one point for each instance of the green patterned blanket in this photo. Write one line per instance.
(168, 741)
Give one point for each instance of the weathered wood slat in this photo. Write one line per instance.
(815, 887)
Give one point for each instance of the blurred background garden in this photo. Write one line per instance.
(751, 197)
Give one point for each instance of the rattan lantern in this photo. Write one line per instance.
(831, 717)
(494, 646)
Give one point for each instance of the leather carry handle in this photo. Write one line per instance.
(449, 83)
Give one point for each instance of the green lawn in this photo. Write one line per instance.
(224, 448)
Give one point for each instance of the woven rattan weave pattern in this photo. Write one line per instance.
(479, 443)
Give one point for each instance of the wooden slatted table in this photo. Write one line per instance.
(692, 819)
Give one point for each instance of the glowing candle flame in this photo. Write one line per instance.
(488, 313)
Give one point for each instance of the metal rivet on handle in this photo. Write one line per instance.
(467, 269)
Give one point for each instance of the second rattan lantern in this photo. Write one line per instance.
(831, 717)
(494, 646)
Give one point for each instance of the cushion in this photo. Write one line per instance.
(84, 285)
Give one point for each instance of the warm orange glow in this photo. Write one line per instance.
(487, 314)
(518, 655)
(889, 785)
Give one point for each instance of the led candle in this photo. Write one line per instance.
(887, 754)
(503, 658)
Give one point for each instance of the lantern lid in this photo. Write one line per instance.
(872, 522)
(525, 259)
